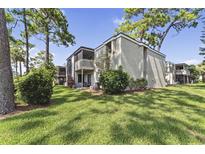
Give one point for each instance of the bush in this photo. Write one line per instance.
(132, 84)
(138, 84)
(37, 86)
(141, 83)
(114, 81)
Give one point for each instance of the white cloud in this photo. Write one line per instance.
(192, 61)
(118, 21)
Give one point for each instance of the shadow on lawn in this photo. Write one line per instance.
(67, 132)
(147, 126)
(37, 114)
(155, 130)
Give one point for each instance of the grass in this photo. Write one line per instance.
(172, 115)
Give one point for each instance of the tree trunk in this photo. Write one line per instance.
(47, 45)
(203, 77)
(164, 35)
(20, 68)
(6, 80)
(26, 37)
(16, 67)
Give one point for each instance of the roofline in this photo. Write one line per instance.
(181, 64)
(60, 66)
(131, 39)
(81, 47)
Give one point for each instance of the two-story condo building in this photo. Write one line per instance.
(136, 58)
(80, 67)
(182, 73)
(177, 73)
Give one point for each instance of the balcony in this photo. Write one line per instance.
(182, 72)
(84, 64)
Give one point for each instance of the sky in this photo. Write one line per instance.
(93, 26)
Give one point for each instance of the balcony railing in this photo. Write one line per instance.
(84, 64)
(182, 72)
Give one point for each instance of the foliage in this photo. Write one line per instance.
(138, 84)
(17, 54)
(194, 73)
(24, 17)
(141, 83)
(37, 86)
(152, 25)
(201, 69)
(53, 26)
(114, 81)
(132, 84)
(39, 59)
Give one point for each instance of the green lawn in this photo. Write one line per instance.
(172, 115)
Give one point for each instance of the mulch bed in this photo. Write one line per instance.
(21, 108)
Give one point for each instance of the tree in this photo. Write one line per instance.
(194, 73)
(17, 55)
(6, 80)
(54, 27)
(202, 49)
(201, 69)
(39, 59)
(151, 26)
(25, 17)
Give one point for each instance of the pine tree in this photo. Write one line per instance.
(6, 80)
(202, 49)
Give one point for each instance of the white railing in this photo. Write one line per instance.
(84, 64)
(182, 72)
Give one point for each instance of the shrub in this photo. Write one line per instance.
(137, 84)
(114, 81)
(37, 86)
(132, 84)
(141, 83)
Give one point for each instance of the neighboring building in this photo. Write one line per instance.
(182, 73)
(61, 75)
(80, 67)
(177, 73)
(137, 59)
(170, 73)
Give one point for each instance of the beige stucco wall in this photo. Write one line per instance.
(73, 67)
(129, 55)
(155, 70)
(132, 58)
(97, 54)
(133, 62)
(115, 56)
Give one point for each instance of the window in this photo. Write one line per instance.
(89, 78)
(79, 78)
